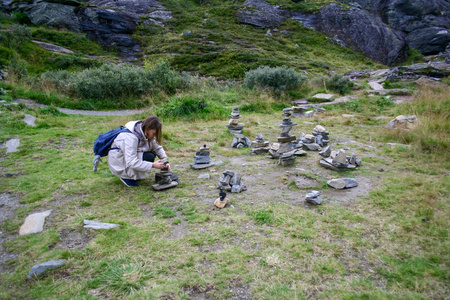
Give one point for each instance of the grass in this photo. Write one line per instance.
(389, 242)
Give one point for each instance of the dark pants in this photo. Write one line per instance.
(149, 156)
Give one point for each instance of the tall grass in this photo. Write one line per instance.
(431, 105)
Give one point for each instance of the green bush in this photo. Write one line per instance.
(117, 81)
(336, 83)
(190, 108)
(275, 79)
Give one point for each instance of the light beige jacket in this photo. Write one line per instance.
(125, 159)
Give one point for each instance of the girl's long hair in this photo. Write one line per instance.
(153, 122)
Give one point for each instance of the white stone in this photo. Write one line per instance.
(98, 225)
(375, 85)
(12, 145)
(29, 119)
(34, 223)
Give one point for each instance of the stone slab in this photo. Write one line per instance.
(40, 269)
(160, 187)
(98, 225)
(34, 223)
(204, 166)
(323, 96)
(12, 145)
(30, 120)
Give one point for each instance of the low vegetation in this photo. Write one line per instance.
(385, 239)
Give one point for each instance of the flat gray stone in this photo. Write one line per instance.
(40, 269)
(338, 184)
(98, 225)
(160, 187)
(204, 176)
(30, 120)
(323, 96)
(204, 166)
(34, 223)
(12, 145)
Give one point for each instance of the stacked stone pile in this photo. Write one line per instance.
(231, 182)
(260, 145)
(236, 128)
(233, 125)
(339, 161)
(316, 140)
(202, 159)
(287, 147)
(165, 179)
(321, 135)
(298, 111)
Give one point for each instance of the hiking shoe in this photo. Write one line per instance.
(129, 182)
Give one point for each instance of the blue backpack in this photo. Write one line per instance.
(103, 143)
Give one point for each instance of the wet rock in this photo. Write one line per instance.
(41, 268)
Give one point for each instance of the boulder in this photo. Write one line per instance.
(363, 31)
(261, 14)
(403, 122)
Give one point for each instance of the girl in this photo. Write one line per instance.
(132, 155)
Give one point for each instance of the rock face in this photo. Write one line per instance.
(261, 14)
(110, 23)
(358, 29)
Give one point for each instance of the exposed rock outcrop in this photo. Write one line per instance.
(110, 23)
(360, 30)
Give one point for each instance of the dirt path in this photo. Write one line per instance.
(68, 111)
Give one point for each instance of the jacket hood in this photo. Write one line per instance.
(136, 128)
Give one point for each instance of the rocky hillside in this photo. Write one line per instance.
(383, 30)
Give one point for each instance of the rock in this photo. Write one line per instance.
(326, 152)
(323, 96)
(29, 119)
(313, 197)
(220, 203)
(312, 147)
(403, 122)
(375, 85)
(342, 183)
(34, 223)
(262, 14)
(41, 268)
(362, 31)
(204, 166)
(309, 114)
(186, 33)
(204, 176)
(98, 225)
(12, 145)
(53, 48)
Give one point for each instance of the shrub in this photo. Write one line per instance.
(336, 83)
(190, 108)
(116, 81)
(275, 79)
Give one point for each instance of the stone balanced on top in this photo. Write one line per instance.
(165, 179)
(316, 140)
(260, 145)
(286, 149)
(236, 128)
(202, 159)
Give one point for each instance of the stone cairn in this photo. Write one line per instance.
(287, 148)
(165, 179)
(231, 182)
(236, 128)
(260, 145)
(202, 159)
(337, 160)
(316, 140)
